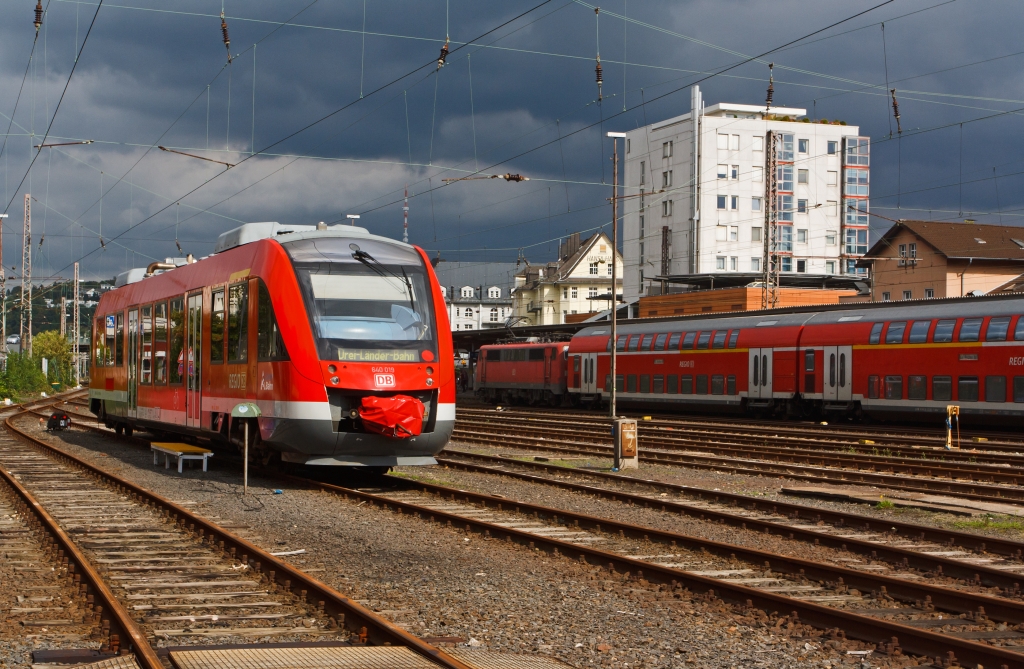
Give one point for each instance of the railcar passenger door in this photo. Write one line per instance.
(589, 384)
(830, 382)
(844, 373)
(133, 363)
(759, 373)
(193, 361)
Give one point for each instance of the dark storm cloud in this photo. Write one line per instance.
(147, 64)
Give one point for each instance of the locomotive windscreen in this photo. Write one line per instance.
(375, 310)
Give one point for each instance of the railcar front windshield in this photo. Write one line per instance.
(374, 308)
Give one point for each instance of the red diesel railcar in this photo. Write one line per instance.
(339, 337)
(529, 373)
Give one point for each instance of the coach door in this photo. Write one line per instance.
(588, 383)
(133, 363)
(759, 373)
(838, 382)
(193, 360)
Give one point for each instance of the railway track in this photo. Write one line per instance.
(153, 573)
(596, 441)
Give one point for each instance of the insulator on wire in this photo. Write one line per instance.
(599, 75)
(771, 87)
(515, 177)
(896, 112)
(180, 250)
(39, 14)
(444, 54)
(224, 34)
(41, 240)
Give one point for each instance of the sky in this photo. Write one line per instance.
(331, 108)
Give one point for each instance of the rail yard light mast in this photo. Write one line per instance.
(3, 293)
(615, 270)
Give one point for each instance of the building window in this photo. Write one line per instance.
(755, 204)
(720, 260)
(734, 173)
(785, 178)
(785, 208)
(858, 151)
(565, 296)
(856, 212)
(733, 263)
(755, 234)
(721, 201)
(734, 202)
(929, 292)
(591, 292)
(757, 174)
(467, 291)
(908, 294)
(830, 237)
(723, 142)
(494, 292)
(721, 233)
(856, 182)
(734, 233)
(903, 250)
(831, 208)
(666, 149)
(643, 172)
(734, 143)
(610, 268)
(802, 145)
(666, 208)
(856, 241)
(801, 236)
(723, 171)
(833, 148)
(801, 266)
(912, 250)
(885, 296)
(785, 147)
(593, 269)
(785, 239)
(801, 176)
(758, 144)
(786, 264)
(830, 267)
(833, 178)
(575, 292)
(494, 314)
(801, 206)
(755, 264)
(666, 179)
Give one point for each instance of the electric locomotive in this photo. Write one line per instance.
(338, 336)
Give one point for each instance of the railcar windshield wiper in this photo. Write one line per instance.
(407, 318)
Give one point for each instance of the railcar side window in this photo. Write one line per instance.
(659, 342)
(702, 384)
(717, 384)
(970, 329)
(620, 383)
(1018, 332)
(730, 385)
(1018, 389)
(967, 389)
(995, 388)
(894, 387)
(686, 384)
(634, 343)
(631, 383)
(160, 343)
(119, 341)
(645, 343)
(97, 342)
(997, 328)
(688, 340)
(733, 337)
(110, 331)
(238, 322)
(809, 360)
(673, 341)
(944, 331)
(876, 333)
(894, 335)
(919, 332)
(177, 327)
(645, 383)
(942, 388)
(702, 341)
(719, 341)
(621, 344)
(873, 385)
(536, 354)
(917, 388)
(673, 384)
(217, 327)
(659, 384)
(146, 325)
(493, 354)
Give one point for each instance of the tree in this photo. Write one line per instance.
(57, 350)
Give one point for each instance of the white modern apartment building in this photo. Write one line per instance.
(711, 219)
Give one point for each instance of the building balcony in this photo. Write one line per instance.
(535, 307)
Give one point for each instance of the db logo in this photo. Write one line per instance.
(384, 380)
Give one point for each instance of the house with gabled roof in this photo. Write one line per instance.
(923, 259)
(571, 289)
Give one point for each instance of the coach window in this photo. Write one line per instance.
(634, 343)
(894, 387)
(659, 384)
(97, 342)
(917, 388)
(997, 328)
(944, 331)
(659, 342)
(270, 344)
(919, 332)
(873, 386)
(176, 322)
(620, 345)
(702, 384)
(217, 327)
(160, 343)
(146, 376)
(110, 335)
(688, 340)
(967, 389)
(645, 383)
(733, 337)
(730, 385)
(686, 384)
(970, 329)
(1018, 332)
(717, 384)
(672, 385)
(942, 388)
(673, 341)
(620, 383)
(645, 343)
(702, 340)
(631, 383)
(719, 340)
(876, 333)
(995, 388)
(238, 322)
(894, 335)
(1018, 389)
(119, 341)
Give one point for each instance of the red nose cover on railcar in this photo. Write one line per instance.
(399, 416)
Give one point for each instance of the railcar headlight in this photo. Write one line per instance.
(332, 369)
(334, 380)
(430, 382)
(430, 370)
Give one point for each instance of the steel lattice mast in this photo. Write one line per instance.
(75, 331)
(405, 217)
(770, 261)
(26, 278)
